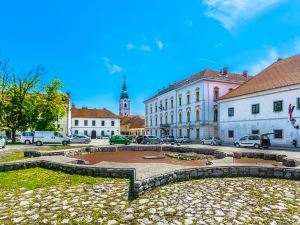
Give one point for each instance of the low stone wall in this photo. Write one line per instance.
(140, 187)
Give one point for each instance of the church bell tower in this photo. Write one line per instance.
(124, 103)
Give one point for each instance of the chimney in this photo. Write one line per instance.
(225, 71)
(221, 71)
(245, 73)
(279, 59)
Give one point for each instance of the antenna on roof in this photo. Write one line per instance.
(245, 73)
(279, 59)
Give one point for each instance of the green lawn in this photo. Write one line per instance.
(13, 157)
(41, 178)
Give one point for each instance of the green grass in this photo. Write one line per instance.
(13, 157)
(41, 178)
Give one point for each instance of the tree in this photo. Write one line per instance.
(26, 104)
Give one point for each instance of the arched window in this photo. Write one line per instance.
(197, 114)
(125, 105)
(188, 115)
(216, 93)
(180, 100)
(180, 117)
(160, 118)
(215, 115)
(172, 117)
(166, 104)
(166, 118)
(188, 98)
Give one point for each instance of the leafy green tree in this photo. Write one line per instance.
(26, 104)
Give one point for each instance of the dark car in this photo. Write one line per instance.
(149, 139)
(139, 139)
(168, 139)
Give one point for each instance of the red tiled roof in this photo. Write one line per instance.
(92, 113)
(282, 73)
(133, 121)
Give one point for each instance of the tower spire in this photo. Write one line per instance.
(124, 103)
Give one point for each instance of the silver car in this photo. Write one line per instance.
(151, 140)
(184, 139)
(76, 138)
(211, 141)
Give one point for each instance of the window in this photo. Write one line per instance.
(160, 106)
(76, 131)
(255, 137)
(180, 133)
(298, 103)
(102, 133)
(166, 104)
(85, 132)
(76, 122)
(278, 134)
(188, 133)
(160, 118)
(172, 103)
(277, 106)
(93, 123)
(172, 132)
(166, 118)
(155, 132)
(151, 121)
(150, 108)
(231, 111)
(112, 133)
(255, 109)
(215, 115)
(102, 123)
(85, 122)
(125, 105)
(112, 123)
(188, 116)
(197, 96)
(179, 101)
(255, 132)
(197, 133)
(216, 93)
(180, 117)
(155, 107)
(146, 109)
(172, 118)
(156, 121)
(231, 134)
(197, 115)
(188, 99)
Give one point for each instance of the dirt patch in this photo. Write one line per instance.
(135, 157)
(258, 161)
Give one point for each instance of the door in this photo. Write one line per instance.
(244, 141)
(93, 134)
(58, 138)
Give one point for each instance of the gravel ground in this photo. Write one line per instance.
(207, 201)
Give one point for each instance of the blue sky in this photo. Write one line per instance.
(90, 45)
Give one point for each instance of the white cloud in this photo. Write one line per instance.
(271, 56)
(130, 46)
(112, 68)
(233, 12)
(160, 44)
(146, 48)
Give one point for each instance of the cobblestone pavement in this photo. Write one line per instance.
(207, 201)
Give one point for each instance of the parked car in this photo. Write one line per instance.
(184, 139)
(26, 137)
(149, 139)
(2, 142)
(139, 139)
(76, 138)
(118, 139)
(50, 137)
(5, 138)
(255, 141)
(168, 139)
(211, 141)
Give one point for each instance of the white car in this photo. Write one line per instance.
(50, 137)
(2, 142)
(184, 139)
(249, 141)
(26, 137)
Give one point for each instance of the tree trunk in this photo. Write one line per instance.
(13, 135)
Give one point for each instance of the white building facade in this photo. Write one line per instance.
(262, 105)
(94, 122)
(189, 108)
